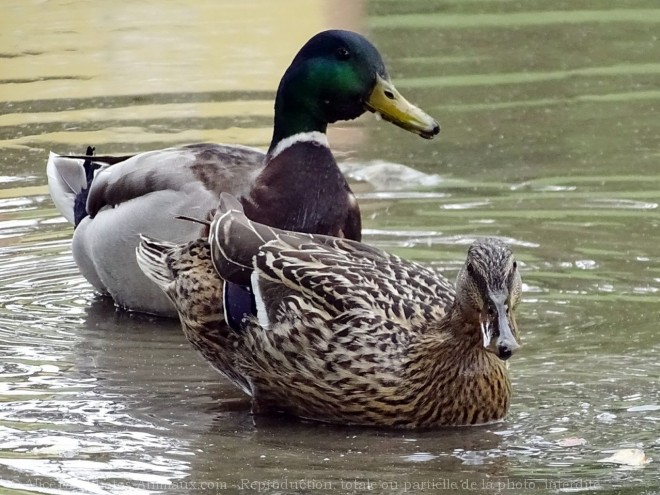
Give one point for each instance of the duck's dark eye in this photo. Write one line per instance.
(470, 268)
(342, 53)
(515, 265)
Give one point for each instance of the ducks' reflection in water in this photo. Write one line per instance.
(146, 364)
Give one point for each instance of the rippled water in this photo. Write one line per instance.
(550, 140)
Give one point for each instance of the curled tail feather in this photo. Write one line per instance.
(69, 179)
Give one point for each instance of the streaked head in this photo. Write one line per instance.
(488, 289)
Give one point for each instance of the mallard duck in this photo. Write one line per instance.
(296, 185)
(342, 332)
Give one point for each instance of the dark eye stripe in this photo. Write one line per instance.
(512, 277)
(478, 278)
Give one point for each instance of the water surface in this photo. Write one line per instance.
(550, 140)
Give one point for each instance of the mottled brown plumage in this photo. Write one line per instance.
(344, 332)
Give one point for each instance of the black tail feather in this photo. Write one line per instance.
(80, 204)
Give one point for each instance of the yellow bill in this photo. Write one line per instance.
(391, 106)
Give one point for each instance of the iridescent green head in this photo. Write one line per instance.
(338, 75)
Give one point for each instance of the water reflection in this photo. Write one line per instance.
(549, 140)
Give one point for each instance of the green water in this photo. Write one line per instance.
(550, 140)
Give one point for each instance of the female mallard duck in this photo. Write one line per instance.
(342, 332)
(337, 75)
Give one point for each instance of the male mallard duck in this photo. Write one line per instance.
(337, 75)
(343, 332)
